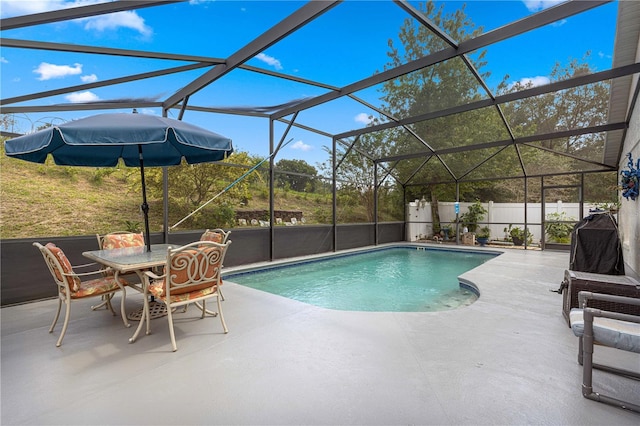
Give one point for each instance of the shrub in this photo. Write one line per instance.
(475, 214)
(555, 228)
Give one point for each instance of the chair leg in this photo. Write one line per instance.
(580, 349)
(66, 321)
(171, 332)
(103, 303)
(224, 324)
(123, 312)
(204, 310)
(55, 318)
(108, 298)
(586, 343)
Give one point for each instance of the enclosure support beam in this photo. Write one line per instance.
(271, 192)
(335, 199)
(526, 199)
(78, 12)
(290, 24)
(457, 213)
(375, 203)
(165, 199)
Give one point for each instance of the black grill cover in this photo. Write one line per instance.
(596, 247)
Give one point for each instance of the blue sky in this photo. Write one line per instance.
(349, 43)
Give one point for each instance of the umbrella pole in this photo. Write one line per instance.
(144, 207)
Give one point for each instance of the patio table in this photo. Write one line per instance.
(133, 259)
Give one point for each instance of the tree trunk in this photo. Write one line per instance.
(435, 213)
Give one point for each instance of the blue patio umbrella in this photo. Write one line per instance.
(138, 139)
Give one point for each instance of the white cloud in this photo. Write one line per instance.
(48, 71)
(90, 78)
(269, 60)
(3, 60)
(534, 81)
(536, 5)
(363, 118)
(113, 21)
(79, 97)
(604, 55)
(301, 146)
(20, 7)
(559, 23)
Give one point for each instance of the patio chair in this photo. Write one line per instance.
(119, 239)
(71, 285)
(216, 235)
(192, 275)
(612, 329)
(114, 240)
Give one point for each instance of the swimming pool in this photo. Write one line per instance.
(395, 279)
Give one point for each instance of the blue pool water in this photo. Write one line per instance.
(399, 279)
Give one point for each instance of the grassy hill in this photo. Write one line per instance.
(42, 200)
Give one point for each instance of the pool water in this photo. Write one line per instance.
(399, 279)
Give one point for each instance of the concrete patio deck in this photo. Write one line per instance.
(507, 359)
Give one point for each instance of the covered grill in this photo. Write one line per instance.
(595, 246)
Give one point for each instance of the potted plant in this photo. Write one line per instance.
(483, 236)
(517, 235)
(471, 218)
(446, 230)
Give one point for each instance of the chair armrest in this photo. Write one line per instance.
(85, 265)
(591, 313)
(84, 274)
(583, 296)
(154, 276)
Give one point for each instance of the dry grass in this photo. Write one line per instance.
(46, 200)
(41, 200)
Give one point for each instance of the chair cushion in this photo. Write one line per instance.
(216, 237)
(623, 335)
(97, 287)
(73, 282)
(157, 288)
(184, 269)
(114, 241)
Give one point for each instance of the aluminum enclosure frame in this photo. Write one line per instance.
(624, 70)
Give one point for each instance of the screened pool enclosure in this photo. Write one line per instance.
(439, 116)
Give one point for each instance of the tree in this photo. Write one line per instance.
(450, 84)
(301, 176)
(192, 185)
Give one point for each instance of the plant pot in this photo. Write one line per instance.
(483, 241)
(517, 241)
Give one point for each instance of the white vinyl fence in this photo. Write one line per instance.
(499, 216)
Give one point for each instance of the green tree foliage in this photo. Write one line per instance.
(192, 185)
(451, 83)
(557, 227)
(355, 174)
(301, 176)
